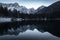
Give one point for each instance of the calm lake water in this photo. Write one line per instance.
(28, 31)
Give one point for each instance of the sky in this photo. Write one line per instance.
(30, 3)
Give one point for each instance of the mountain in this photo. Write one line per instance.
(10, 4)
(55, 7)
(51, 11)
(31, 11)
(39, 9)
(21, 9)
(16, 6)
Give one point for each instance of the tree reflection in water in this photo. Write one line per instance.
(44, 27)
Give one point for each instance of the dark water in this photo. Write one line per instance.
(30, 30)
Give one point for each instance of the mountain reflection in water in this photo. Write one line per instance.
(29, 30)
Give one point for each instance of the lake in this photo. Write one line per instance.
(30, 30)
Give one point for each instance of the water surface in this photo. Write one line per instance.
(29, 30)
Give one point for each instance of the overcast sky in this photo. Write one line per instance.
(30, 3)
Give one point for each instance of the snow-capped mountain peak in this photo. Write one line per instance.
(41, 7)
(22, 9)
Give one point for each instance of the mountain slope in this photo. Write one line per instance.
(16, 6)
(51, 11)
